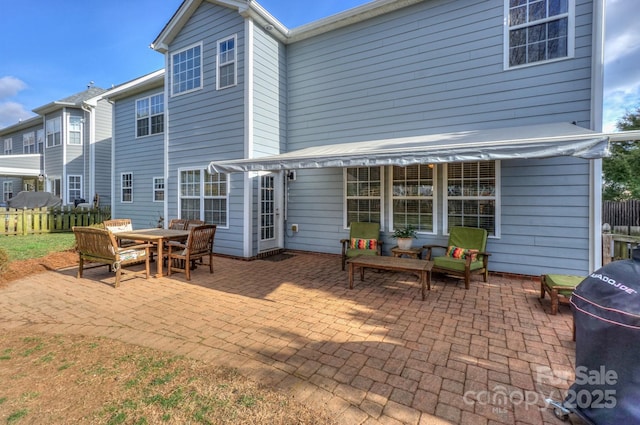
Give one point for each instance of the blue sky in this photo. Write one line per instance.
(52, 49)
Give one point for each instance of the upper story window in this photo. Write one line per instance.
(75, 131)
(8, 146)
(150, 115)
(40, 141)
(54, 132)
(363, 194)
(226, 62)
(538, 30)
(472, 195)
(413, 195)
(186, 70)
(29, 142)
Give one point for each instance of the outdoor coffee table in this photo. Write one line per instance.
(420, 267)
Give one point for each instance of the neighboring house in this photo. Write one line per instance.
(65, 150)
(429, 112)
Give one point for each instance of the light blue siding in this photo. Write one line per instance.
(208, 124)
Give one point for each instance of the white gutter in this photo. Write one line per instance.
(248, 132)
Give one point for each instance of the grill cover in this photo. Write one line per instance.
(606, 311)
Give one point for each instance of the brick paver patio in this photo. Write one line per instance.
(374, 354)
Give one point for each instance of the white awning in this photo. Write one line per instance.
(538, 141)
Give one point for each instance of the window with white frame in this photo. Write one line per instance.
(158, 189)
(472, 195)
(226, 60)
(186, 70)
(412, 192)
(8, 146)
(75, 131)
(538, 30)
(363, 195)
(40, 141)
(29, 142)
(54, 132)
(203, 196)
(150, 115)
(7, 191)
(126, 187)
(74, 188)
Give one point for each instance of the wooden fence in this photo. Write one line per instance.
(47, 220)
(621, 215)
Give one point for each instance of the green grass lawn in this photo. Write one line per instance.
(35, 246)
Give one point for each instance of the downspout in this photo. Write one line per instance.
(113, 158)
(63, 141)
(597, 89)
(248, 132)
(165, 171)
(92, 154)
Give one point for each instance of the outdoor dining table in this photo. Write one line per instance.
(156, 236)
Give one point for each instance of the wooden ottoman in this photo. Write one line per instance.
(560, 287)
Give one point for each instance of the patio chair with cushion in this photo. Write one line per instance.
(96, 245)
(464, 254)
(199, 244)
(559, 287)
(364, 239)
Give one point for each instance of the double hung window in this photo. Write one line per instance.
(226, 62)
(471, 196)
(54, 132)
(158, 189)
(8, 146)
(204, 196)
(75, 131)
(150, 115)
(539, 30)
(74, 188)
(412, 194)
(363, 194)
(126, 187)
(29, 142)
(7, 191)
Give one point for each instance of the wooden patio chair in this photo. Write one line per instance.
(364, 239)
(178, 224)
(559, 287)
(199, 244)
(96, 245)
(464, 254)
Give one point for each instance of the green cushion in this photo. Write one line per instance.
(468, 237)
(365, 230)
(354, 252)
(455, 264)
(564, 280)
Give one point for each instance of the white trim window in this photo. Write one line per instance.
(29, 142)
(226, 60)
(204, 196)
(8, 146)
(74, 132)
(40, 141)
(412, 196)
(472, 195)
(363, 195)
(126, 187)
(74, 188)
(538, 31)
(7, 191)
(186, 70)
(54, 132)
(158, 189)
(150, 115)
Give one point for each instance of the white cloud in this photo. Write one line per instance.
(11, 113)
(10, 86)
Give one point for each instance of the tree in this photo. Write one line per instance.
(621, 170)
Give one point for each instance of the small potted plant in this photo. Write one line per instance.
(405, 235)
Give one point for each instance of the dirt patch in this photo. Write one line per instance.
(53, 261)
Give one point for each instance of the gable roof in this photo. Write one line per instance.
(75, 100)
(252, 9)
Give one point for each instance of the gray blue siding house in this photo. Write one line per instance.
(426, 112)
(65, 150)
